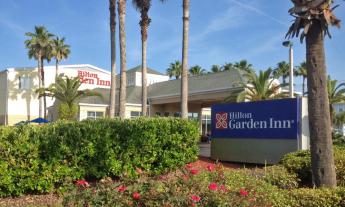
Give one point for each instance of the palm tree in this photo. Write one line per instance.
(66, 90)
(174, 69)
(228, 66)
(216, 68)
(314, 19)
(60, 52)
(244, 66)
(260, 87)
(185, 43)
(336, 94)
(40, 47)
(143, 6)
(112, 10)
(302, 71)
(123, 83)
(282, 70)
(197, 70)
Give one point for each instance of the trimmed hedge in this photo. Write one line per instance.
(300, 163)
(43, 158)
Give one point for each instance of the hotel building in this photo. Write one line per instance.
(19, 102)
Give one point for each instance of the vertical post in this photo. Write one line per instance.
(291, 92)
(200, 119)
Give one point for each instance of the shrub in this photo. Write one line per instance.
(39, 158)
(204, 188)
(300, 163)
(307, 197)
(279, 176)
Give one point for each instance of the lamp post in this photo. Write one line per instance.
(289, 44)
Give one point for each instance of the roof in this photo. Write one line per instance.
(149, 70)
(133, 96)
(209, 82)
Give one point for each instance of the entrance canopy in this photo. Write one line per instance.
(203, 91)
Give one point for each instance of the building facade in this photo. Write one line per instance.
(19, 101)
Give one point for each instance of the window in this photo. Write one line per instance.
(193, 116)
(95, 114)
(135, 114)
(177, 114)
(24, 82)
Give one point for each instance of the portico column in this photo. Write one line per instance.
(200, 119)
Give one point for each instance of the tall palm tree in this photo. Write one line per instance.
(60, 52)
(216, 68)
(174, 69)
(282, 70)
(302, 71)
(123, 83)
(336, 94)
(260, 87)
(197, 70)
(143, 6)
(40, 47)
(244, 66)
(66, 90)
(185, 43)
(112, 10)
(314, 19)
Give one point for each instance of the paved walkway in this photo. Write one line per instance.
(205, 150)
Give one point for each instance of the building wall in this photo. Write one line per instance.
(132, 108)
(151, 78)
(83, 111)
(22, 101)
(3, 96)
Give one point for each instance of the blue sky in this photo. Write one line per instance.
(221, 31)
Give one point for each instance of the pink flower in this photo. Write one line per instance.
(195, 198)
(189, 165)
(243, 192)
(210, 167)
(136, 196)
(185, 177)
(223, 188)
(82, 183)
(122, 188)
(194, 171)
(138, 170)
(213, 186)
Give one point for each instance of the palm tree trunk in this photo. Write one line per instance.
(318, 106)
(56, 69)
(43, 86)
(184, 78)
(112, 9)
(123, 83)
(144, 23)
(39, 85)
(144, 78)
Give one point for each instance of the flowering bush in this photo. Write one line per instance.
(218, 187)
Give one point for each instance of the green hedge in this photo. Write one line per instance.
(300, 163)
(42, 158)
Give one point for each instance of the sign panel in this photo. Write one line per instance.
(272, 119)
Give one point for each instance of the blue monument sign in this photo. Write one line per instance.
(259, 132)
(277, 119)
